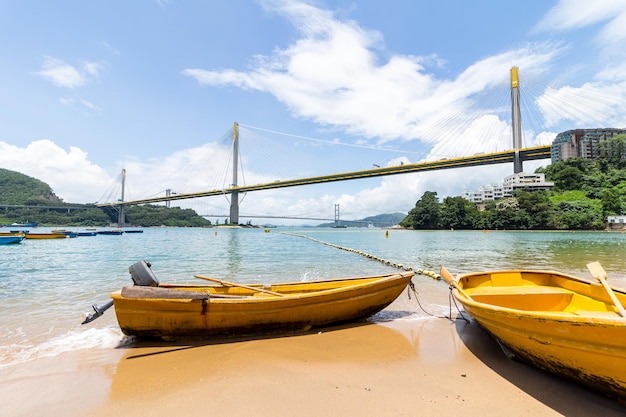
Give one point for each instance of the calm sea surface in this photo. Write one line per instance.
(46, 286)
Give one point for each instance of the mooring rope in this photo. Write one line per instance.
(431, 274)
(411, 286)
(451, 300)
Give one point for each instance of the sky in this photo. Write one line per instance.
(154, 87)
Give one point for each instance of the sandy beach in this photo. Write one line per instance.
(404, 366)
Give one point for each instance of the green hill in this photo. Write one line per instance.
(20, 189)
(28, 200)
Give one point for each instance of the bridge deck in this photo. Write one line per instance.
(526, 154)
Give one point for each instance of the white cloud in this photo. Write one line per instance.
(337, 75)
(184, 171)
(582, 105)
(69, 101)
(70, 174)
(65, 75)
(575, 14)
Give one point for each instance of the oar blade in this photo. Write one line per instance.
(600, 274)
(446, 275)
(596, 270)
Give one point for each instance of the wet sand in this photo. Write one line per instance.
(408, 366)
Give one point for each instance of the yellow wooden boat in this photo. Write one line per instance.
(30, 235)
(151, 309)
(557, 322)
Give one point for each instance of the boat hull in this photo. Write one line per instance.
(110, 232)
(553, 321)
(45, 236)
(11, 239)
(231, 311)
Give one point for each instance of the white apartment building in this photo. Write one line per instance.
(487, 192)
(616, 222)
(519, 181)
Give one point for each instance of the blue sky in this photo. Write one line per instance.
(90, 88)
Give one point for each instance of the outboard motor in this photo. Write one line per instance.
(142, 274)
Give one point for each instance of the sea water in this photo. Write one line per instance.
(48, 286)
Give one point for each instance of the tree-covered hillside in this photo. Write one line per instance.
(20, 189)
(27, 200)
(585, 193)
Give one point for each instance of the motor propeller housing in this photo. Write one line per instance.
(142, 274)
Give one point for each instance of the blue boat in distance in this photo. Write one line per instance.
(110, 232)
(86, 233)
(6, 239)
(20, 225)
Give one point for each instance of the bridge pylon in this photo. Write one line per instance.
(516, 120)
(234, 195)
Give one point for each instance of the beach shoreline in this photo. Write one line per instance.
(408, 365)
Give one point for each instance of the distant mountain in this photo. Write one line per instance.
(380, 220)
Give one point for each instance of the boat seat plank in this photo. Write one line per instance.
(604, 314)
(519, 290)
(135, 291)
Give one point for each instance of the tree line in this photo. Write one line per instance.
(585, 192)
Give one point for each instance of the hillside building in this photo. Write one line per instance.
(580, 143)
(519, 181)
(616, 222)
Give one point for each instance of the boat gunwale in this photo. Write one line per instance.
(560, 316)
(259, 297)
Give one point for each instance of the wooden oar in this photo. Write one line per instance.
(600, 274)
(234, 284)
(447, 276)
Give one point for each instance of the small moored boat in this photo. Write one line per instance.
(45, 235)
(9, 238)
(151, 309)
(110, 232)
(557, 322)
(67, 233)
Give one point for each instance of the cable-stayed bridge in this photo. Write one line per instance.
(517, 155)
(524, 154)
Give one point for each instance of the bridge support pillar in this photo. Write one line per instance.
(234, 196)
(516, 120)
(234, 207)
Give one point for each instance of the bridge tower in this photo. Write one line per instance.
(516, 120)
(234, 195)
(121, 216)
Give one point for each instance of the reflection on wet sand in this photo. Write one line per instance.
(147, 365)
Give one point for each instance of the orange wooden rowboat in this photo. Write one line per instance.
(173, 311)
(557, 322)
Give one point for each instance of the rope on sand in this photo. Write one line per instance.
(419, 271)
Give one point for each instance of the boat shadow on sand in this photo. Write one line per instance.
(166, 346)
(147, 362)
(558, 393)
